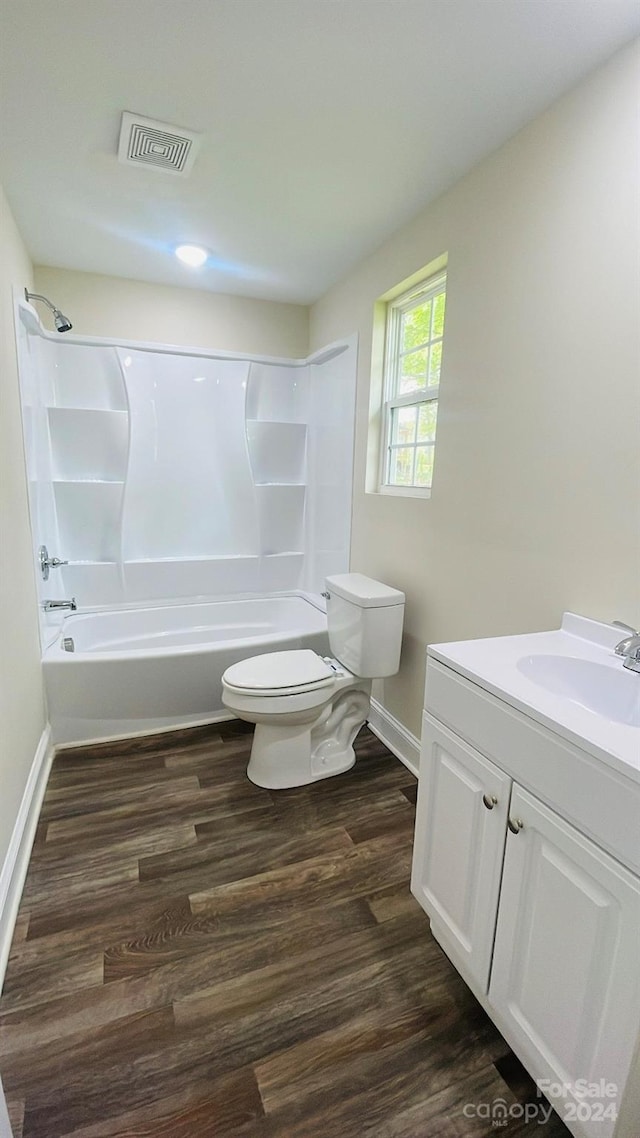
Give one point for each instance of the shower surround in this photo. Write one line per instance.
(167, 476)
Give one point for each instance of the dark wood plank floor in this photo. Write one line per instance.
(195, 956)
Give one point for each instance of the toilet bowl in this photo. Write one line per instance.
(303, 707)
(307, 709)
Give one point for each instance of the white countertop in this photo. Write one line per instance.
(495, 664)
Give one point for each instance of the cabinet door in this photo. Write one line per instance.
(459, 843)
(565, 979)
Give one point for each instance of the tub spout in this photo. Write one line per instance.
(53, 606)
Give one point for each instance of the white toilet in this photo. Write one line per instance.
(308, 710)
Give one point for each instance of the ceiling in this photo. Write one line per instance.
(326, 123)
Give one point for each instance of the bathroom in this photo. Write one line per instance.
(534, 505)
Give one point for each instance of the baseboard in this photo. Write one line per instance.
(16, 863)
(395, 736)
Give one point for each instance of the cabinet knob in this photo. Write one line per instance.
(515, 825)
(490, 801)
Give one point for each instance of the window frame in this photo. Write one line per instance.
(431, 286)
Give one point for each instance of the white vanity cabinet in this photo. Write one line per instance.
(566, 952)
(541, 921)
(461, 823)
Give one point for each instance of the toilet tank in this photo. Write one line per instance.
(365, 624)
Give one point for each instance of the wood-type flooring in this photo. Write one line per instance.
(196, 957)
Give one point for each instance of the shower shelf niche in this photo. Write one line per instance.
(277, 452)
(88, 424)
(88, 444)
(276, 427)
(85, 378)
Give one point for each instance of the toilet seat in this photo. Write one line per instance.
(279, 674)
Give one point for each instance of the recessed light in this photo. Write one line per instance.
(192, 255)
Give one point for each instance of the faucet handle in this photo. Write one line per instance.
(46, 563)
(630, 645)
(625, 627)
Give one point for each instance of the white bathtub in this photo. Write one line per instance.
(137, 670)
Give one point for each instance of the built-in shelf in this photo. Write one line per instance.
(269, 556)
(66, 412)
(277, 451)
(88, 482)
(195, 559)
(88, 443)
(70, 405)
(295, 423)
(86, 376)
(277, 394)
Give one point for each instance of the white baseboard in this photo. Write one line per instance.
(395, 736)
(16, 863)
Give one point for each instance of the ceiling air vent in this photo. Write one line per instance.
(145, 142)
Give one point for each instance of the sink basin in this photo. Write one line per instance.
(608, 691)
(568, 679)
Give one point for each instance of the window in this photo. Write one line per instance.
(413, 359)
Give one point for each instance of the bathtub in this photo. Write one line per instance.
(137, 670)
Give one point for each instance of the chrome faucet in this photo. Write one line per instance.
(629, 647)
(54, 606)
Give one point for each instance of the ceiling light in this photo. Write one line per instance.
(192, 255)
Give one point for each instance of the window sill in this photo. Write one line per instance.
(403, 491)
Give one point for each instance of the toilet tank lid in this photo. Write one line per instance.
(364, 591)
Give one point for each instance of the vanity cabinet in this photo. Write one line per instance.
(540, 921)
(566, 952)
(461, 822)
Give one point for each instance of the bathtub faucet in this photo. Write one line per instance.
(52, 606)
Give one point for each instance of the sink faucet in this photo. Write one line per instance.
(629, 647)
(53, 606)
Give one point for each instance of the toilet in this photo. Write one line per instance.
(308, 709)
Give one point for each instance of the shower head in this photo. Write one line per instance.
(62, 322)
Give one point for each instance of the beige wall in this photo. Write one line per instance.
(535, 504)
(22, 715)
(112, 306)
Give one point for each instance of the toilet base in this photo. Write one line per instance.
(284, 756)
